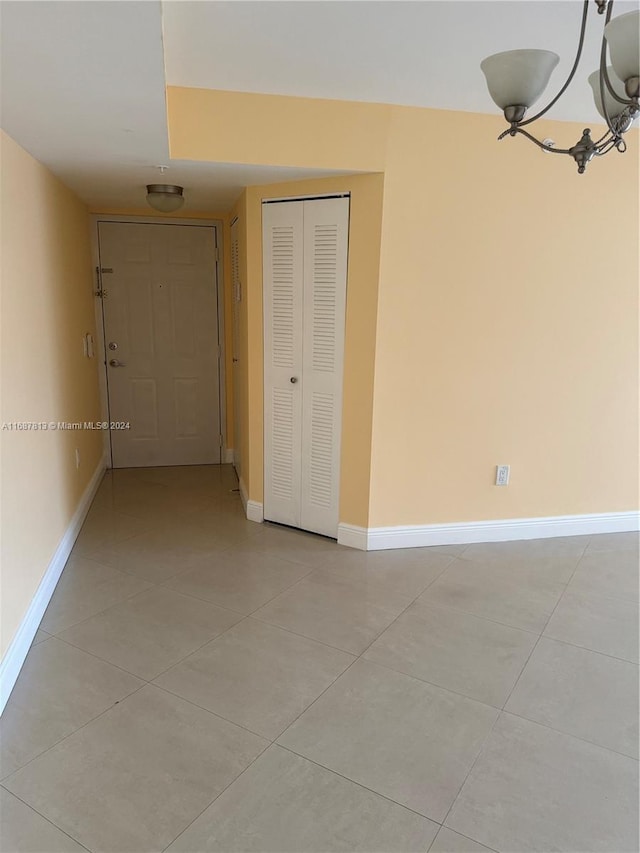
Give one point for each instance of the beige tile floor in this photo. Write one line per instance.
(203, 683)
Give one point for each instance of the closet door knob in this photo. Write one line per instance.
(293, 380)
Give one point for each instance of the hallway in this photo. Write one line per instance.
(205, 683)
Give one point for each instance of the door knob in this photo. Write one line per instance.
(115, 363)
(293, 380)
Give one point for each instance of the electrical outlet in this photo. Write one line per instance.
(502, 475)
(77, 458)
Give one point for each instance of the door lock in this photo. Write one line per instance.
(113, 345)
(293, 380)
(115, 363)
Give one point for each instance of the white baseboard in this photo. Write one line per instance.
(16, 653)
(252, 509)
(465, 533)
(227, 456)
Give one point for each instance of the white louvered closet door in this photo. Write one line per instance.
(316, 308)
(282, 227)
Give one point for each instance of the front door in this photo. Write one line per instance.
(161, 341)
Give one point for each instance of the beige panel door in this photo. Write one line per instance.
(162, 348)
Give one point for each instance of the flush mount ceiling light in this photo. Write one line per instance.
(517, 78)
(165, 197)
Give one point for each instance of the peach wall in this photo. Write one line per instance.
(508, 326)
(238, 127)
(47, 307)
(507, 305)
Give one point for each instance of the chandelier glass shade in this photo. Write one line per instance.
(518, 76)
(516, 79)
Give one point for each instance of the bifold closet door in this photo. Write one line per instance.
(305, 275)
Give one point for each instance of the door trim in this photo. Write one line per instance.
(101, 355)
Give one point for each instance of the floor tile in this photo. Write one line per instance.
(408, 571)
(40, 637)
(135, 778)
(294, 545)
(522, 597)
(232, 524)
(407, 740)
(104, 527)
(472, 656)
(285, 804)
(448, 841)
(335, 611)
(613, 574)
(557, 547)
(84, 589)
(242, 582)
(534, 789)
(256, 675)
(25, 831)
(161, 554)
(614, 542)
(580, 692)
(151, 632)
(59, 689)
(604, 625)
(451, 550)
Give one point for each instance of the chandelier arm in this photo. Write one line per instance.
(604, 149)
(602, 138)
(544, 147)
(583, 27)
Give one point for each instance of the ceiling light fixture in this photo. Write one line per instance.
(517, 78)
(165, 197)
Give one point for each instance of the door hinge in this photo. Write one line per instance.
(217, 254)
(221, 441)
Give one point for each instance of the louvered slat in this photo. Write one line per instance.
(325, 245)
(282, 444)
(282, 296)
(321, 458)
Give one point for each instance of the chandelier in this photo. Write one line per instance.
(517, 78)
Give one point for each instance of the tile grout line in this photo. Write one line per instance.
(44, 817)
(502, 711)
(587, 649)
(571, 735)
(544, 628)
(359, 784)
(235, 779)
(75, 731)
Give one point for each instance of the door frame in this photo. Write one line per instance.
(99, 344)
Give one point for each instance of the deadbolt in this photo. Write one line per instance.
(113, 345)
(293, 380)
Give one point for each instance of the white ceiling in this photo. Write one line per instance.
(423, 54)
(83, 90)
(83, 83)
